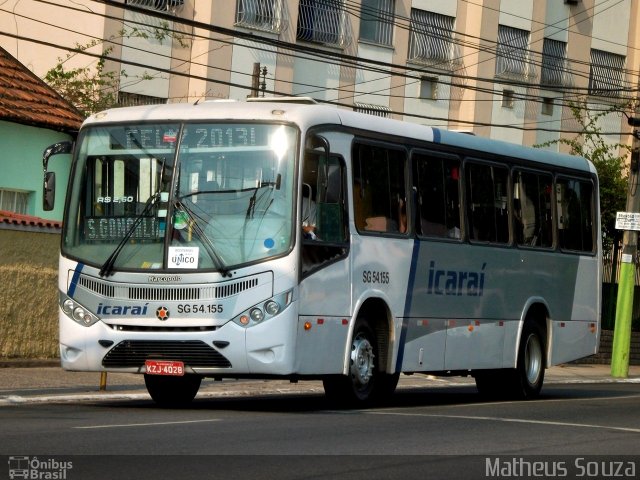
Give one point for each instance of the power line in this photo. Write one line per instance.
(232, 33)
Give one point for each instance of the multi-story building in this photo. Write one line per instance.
(500, 68)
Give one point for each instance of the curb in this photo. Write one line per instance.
(29, 362)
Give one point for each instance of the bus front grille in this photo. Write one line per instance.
(194, 353)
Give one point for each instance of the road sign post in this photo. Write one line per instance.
(628, 221)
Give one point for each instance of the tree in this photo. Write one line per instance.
(611, 166)
(90, 89)
(93, 88)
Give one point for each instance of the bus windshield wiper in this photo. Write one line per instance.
(206, 241)
(253, 200)
(107, 266)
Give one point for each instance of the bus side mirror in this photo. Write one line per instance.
(49, 191)
(49, 184)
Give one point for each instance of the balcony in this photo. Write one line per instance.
(325, 22)
(513, 59)
(431, 41)
(266, 15)
(172, 6)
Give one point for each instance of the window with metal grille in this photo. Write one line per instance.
(606, 75)
(158, 5)
(376, 21)
(260, 14)
(14, 201)
(377, 110)
(431, 38)
(127, 99)
(512, 54)
(554, 67)
(322, 21)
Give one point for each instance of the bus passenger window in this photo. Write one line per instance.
(437, 184)
(574, 199)
(487, 206)
(532, 209)
(379, 192)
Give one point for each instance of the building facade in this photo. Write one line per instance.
(506, 69)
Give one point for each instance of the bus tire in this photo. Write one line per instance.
(172, 391)
(364, 382)
(529, 373)
(523, 382)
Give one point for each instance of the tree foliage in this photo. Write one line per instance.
(606, 157)
(90, 89)
(93, 87)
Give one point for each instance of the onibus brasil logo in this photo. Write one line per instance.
(37, 468)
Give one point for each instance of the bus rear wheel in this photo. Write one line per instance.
(523, 382)
(531, 362)
(173, 392)
(364, 382)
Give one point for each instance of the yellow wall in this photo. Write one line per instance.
(29, 303)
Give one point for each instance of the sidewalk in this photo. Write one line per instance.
(42, 381)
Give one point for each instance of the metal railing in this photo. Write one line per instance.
(611, 261)
(158, 5)
(513, 59)
(266, 15)
(323, 21)
(431, 42)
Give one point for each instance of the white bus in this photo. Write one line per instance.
(301, 241)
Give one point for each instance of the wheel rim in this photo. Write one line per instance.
(533, 359)
(362, 360)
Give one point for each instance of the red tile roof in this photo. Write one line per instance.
(17, 220)
(26, 99)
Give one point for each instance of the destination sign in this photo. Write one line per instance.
(154, 137)
(115, 228)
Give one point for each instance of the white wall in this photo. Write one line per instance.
(147, 51)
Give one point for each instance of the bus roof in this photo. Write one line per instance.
(307, 115)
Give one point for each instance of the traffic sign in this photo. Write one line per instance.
(627, 221)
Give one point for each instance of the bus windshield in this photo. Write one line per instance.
(205, 196)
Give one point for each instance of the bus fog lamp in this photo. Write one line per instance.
(256, 315)
(272, 308)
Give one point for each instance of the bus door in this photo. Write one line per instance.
(325, 299)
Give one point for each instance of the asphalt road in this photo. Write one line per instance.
(442, 432)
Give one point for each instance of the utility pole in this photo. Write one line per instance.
(626, 285)
(255, 80)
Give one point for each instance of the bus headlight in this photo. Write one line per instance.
(272, 307)
(67, 306)
(265, 310)
(76, 312)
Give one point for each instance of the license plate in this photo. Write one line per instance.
(164, 367)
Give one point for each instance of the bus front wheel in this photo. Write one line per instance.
(173, 392)
(364, 382)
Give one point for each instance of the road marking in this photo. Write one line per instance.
(126, 425)
(507, 420)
